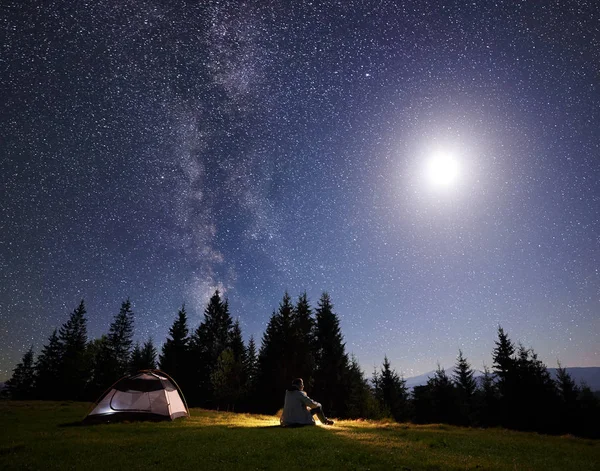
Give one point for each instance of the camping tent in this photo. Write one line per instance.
(146, 395)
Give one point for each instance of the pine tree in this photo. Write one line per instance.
(566, 386)
(376, 385)
(391, 392)
(379, 388)
(466, 386)
(250, 372)
(588, 416)
(21, 385)
(443, 397)
(74, 373)
(274, 367)
(110, 355)
(143, 357)
(422, 405)
(251, 361)
(360, 403)
(73, 333)
(136, 359)
(568, 393)
(535, 394)
(236, 342)
(102, 367)
(504, 362)
(175, 354)
(487, 399)
(238, 378)
(225, 381)
(331, 359)
(505, 369)
(120, 339)
(214, 332)
(148, 357)
(464, 376)
(48, 369)
(302, 343)
(206, 345)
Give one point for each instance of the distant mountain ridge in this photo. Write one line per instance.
(588, 375)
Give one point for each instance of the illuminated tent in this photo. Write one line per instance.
(146, 395)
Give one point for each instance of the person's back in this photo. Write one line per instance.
(298, 408)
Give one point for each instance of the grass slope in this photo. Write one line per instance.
(40, 435)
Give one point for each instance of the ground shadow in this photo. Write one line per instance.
(78, 423)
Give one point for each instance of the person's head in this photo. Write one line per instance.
(298, 383)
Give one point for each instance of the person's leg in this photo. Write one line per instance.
(318, 411)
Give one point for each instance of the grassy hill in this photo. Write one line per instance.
(42, 435)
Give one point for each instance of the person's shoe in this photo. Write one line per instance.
(329, 422)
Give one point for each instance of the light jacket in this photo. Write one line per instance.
(296, 408)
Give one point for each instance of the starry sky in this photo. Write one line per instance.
(160, 150)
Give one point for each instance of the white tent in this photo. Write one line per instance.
(147, 395)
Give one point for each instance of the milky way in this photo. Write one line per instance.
(161, 150)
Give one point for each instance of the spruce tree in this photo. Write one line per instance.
(274, 367)
(236, 342)
(504, 362)
(422, 404)
(391, 392)
(73, 333)
(102, 367)
(148, 357)
(443, 397)
(487, 399)
(110, 355)
(535, 394)
(21, 385)
(376, 385)
(225, 379)
(135, 362)
(466, 386)
(505, 369)
(251, 360)
(361, 403)
(302, 343)
(588, 413)
(74, 373)
(206, 345)
(331, 359)
(567, 388)
(567, 393)
(238, 377)
(120, 339)
(48, 368)
(464, 376)
(251, 371)
(174, 357)
(213, 334)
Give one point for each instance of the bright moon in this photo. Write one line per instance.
(442, 170)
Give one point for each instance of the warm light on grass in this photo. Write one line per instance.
(230, 419)
(224, 441)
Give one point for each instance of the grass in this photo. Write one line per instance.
(41, 435)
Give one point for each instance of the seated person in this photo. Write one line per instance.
(298, 408)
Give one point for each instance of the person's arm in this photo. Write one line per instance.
(307, 401)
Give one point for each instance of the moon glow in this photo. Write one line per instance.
(442, 170)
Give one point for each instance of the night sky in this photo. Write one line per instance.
(159, 150)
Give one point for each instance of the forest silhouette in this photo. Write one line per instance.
(216, 369)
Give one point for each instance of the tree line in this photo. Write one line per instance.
(216, 369)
